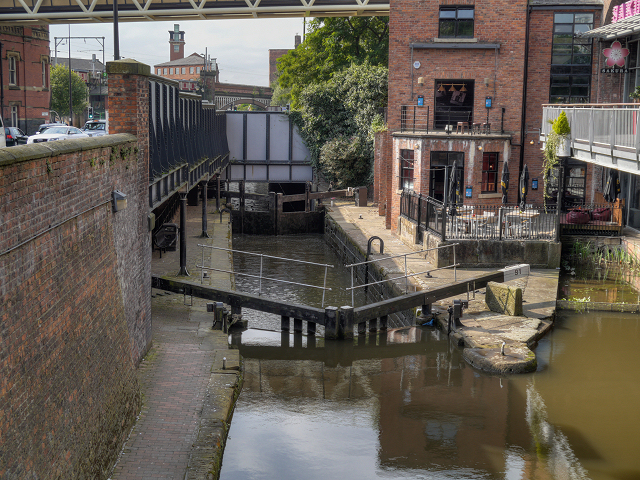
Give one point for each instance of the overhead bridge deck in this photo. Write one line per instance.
(338, 322)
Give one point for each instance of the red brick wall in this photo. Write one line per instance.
(274, 55)
(29, 95)
(75, 290)
(383, 164)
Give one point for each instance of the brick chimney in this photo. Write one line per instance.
(176, 43)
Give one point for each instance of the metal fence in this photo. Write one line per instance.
(181, 129)
(427, 212)
(414, 118)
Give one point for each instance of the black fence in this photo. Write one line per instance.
(427, 212)
(182, 130)
(414, 118)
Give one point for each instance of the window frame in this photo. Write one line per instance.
(406, 164)
(485, 181)
(44, 73)
(457, 21)
(14, 115)
(13, 70)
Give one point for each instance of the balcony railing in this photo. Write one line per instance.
(609, 131)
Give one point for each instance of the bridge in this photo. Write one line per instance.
(338, 322)
(89, 11)
(228, 95)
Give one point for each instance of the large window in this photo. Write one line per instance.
(489, 172)
(45, 69)
(453, 101)
(571, 58)
(440, 174)
(14, 115)
(406, 169)
(456, 22)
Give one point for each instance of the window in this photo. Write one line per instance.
(198, 69)
(191, 69)
(571, 58)
(159, 71)
(440, 174)
(176, 48)
(406, 169)
(14, 115)
(164, 71)
(456, 22)
(453, 102)
(13, 71)
(489, 172)
(171, 71)
(184, 70)
(44, 73)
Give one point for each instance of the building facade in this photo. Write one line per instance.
(466, 91)
(25, 76)
(94, 75)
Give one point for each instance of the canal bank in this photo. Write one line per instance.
(188, 397)
(482, 332)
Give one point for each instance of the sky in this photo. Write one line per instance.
(241, 47)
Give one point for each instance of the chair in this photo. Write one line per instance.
(476, 127)
(485, 128)
(461, 125)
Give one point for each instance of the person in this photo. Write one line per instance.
(330, 186)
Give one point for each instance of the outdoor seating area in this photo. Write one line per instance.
(506, 222)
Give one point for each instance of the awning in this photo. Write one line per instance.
(623, 28)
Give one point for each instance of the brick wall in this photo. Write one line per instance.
(75, 290)
(382, 181)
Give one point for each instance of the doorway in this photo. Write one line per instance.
(439, 171)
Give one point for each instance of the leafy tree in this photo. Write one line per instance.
(332, 45)
(60, 91)
(345, 111)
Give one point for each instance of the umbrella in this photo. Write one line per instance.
(524, 187)
(612, 187)
(504, 182)
(453, 188)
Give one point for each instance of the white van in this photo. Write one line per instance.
(3, 139)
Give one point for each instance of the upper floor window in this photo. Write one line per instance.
(406, 169)
(158, 71)
(44, 73)
(489, 172)
(171, 71)
(13, 71)
(456, 22)
(176, 48)
(198, 69)
(184, 70)
(164, 71)
(571, 58)
(190, 69)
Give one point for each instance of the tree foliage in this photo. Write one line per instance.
(60, 91)
(332, 45)
(344, 111)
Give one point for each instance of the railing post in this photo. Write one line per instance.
(205, 227)
(183, 234)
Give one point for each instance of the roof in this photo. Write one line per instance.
(625, 27)
(79, 64)
(193, 59)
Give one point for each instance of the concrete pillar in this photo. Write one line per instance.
(297, 325)
(311, 328)
(373, 325)
(345, 327)
(330, 326)
(383, 322)
(284, 323)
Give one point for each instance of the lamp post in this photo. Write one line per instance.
(70, 99)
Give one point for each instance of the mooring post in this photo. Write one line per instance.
(383, 322)
(284, 323)
(205, 227)
(330, 318)
(297, 325)
(345, 327)
(373, 325)
(183, 234)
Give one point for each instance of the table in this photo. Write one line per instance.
(521, 218)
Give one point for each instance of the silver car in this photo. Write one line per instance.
(57, 133)
(95, 128)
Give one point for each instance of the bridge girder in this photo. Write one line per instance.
(242, 101)
(27, 12)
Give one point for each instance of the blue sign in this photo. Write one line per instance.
(534, 184)
(487, 102)
(420, 100)
(467, 192)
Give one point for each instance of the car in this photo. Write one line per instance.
(2, 134)
(57, 133)
(44, 126)
(15, 136)
(95, 128)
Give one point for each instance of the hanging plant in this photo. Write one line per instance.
(635, 95)
(560, 130)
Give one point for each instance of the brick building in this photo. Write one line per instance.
(25, 76)
(275, 54)
(94, 75)
(465, 89)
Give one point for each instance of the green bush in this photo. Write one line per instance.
(561, 125)
(347, 161)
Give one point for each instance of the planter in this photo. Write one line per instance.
(564, 149)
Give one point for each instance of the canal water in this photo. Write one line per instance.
(406, 405)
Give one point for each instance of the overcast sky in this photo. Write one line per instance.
(241, 47)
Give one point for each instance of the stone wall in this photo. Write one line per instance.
(76, 317)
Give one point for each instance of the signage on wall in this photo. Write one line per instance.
(487, 102)
(616, 56)
(420, 100)
(626, 10)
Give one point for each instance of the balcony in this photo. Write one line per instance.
(601, 134)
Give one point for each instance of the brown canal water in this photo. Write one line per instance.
(406, 405)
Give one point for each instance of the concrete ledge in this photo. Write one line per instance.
(128, 66)
(598, 306)
(504, 299)
(23, 153)
(517, 358)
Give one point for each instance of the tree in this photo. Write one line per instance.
(60, 91)
(332, 45)
(345, 111)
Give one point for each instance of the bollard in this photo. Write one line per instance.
(224, 363)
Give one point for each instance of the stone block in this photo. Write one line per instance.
(504, 299)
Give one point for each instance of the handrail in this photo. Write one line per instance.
(324, 288)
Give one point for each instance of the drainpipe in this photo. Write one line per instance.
(523, 113)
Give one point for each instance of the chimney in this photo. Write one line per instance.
(176, 43)
(297, 41)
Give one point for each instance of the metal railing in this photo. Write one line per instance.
(427, 212)
(406, 275)
(203, 268)
(414, 118)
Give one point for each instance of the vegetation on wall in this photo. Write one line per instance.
(560, 129)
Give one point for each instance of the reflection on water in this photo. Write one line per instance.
(406, 405)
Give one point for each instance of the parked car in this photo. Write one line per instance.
(57, 133)
(44, 126)
(15, 136)
(95, 128)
